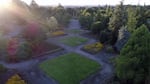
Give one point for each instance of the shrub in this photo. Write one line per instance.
(12, 48)
(18, 50)
(3, 43)
(33, 32)
(109, 49)
(58, 33)
(93, 48)
(15, 79)
(24, 51)
(104, 36)
(86, 20)
(96, 27)
(2, 69)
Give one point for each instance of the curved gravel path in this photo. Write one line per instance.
(31, 71)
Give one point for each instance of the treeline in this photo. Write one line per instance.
(59, 13)
(38, 13)
(106, 21)
(126, 28)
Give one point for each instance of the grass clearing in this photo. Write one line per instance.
(74, 31)
(70, 68)
(73, 41)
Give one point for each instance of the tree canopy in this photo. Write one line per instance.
(133, 64)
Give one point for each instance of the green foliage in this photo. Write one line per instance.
(70, 68)
(109, 49)
(74, 31)
(2, 69)
(52, 24)
(134, 60)
(117, 20)
(132, 19)
(61, 14)
(90, 18)
(3, 42)
(104, 36)
(96, 27)
(86, 20)
(93, 48)
(24, 51)
(73, 41)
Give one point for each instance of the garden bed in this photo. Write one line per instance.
(16, 79)
(73, 41)
(33, 50)
(93, 48)
(70, 68)
(11, 77)
(56, 33)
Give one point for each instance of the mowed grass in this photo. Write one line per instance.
(75, 31)
(70, 68)
(73, 41)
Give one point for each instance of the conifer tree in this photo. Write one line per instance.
(133, 64)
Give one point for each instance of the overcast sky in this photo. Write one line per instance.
(88, 2)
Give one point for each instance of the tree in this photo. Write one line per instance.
(33, 32)
(117, 20)
(132, 66)
(123, 37)
(104, 36)
(61, 14)
(12, 48)
(52, 23)
(132, 19)
(96, 27)
(108, 11)
(86, 19)
(24, 51)
(3, 42)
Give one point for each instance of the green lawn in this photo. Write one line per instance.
(73, 41)
(70, 68)
(75, 31)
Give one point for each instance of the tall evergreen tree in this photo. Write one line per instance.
(133, 64)
(132, 19)
(117, 21)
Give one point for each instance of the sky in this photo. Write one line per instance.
(88, 2)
